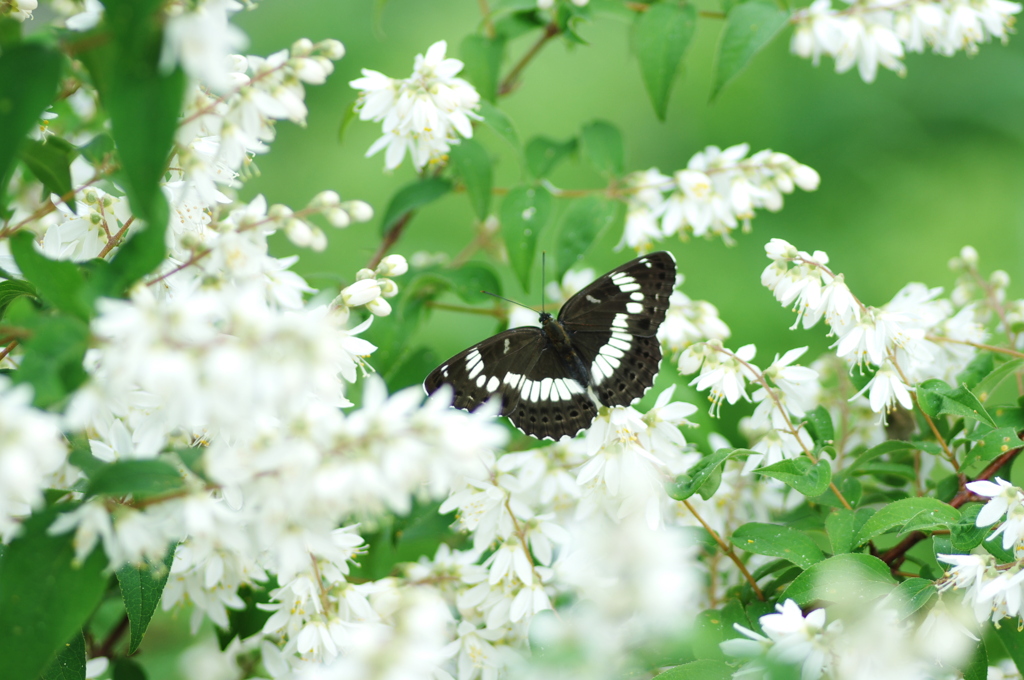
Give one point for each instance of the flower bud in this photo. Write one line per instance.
(325, 199)
(970, 256)
(379, 307)
(388, 288)
(365, 274)
(332, 49)
(302, 47)
(806, 177)
(337, 217)
(392, 265)
(999, 279)
(361, 292)
(359, 211)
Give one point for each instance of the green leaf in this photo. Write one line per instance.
(990, 382)
(660, 38)
(582, 222)
(525, 211)
(849, 578)
(128, 669)
(141, 588)
(29, 75)
(482, 57)
(977, 668)
(701, 669)
(50, 162)
(69, 664)
(966, 534)
(142, 100)
(54, 350)
(979, 367)
(12, 290)
(470, 161)
(923, 511)
(910, 596)
(544, 153)
(819, 425)
(839, 525)
(991, 444)
(470, 279)
(849, 487)
(713, 626)
(690, 483)
(748, 28)
(412, 197)
(891, 446)
(799, 473)
(777, 541)
(141, 478)
(1013, 640)
(602, 144)
(99, 150)
(937, 398)
(60, 283)
(44, 599)
(496, 119)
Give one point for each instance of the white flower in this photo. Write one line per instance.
(422, 115)
(1007, 500)
(32, 451)
(201, 40)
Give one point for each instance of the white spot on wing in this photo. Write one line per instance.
(493, 384)
(634, 307)
(545, 389)
(563, 390)
(619, 321)
(507, 343)
(635, 297)
(629, 286)
(481, 380)
(593, 299)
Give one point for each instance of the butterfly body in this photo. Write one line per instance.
(602, 350)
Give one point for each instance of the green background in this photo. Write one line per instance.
(912, 168)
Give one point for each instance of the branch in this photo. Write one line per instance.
(511, 81)
(727, 549)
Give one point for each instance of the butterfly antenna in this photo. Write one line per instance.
(543, 271)
(507, 300)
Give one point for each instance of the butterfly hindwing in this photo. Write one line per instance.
(491, 367)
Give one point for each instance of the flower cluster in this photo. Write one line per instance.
(881, 643)
(373, 286)
(873, 33)
(716, 193)
(787, 392)
(543, 523)
(993, 592)
(32, 457)
(424, 114)
(914, 337)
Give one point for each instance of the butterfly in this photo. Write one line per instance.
(601, 350)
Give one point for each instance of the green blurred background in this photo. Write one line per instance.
(912, 168)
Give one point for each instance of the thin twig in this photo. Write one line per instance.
(511, 81)
(727, 550)
(106, 648)
(116, 238)
(7, 350)
(390, 239)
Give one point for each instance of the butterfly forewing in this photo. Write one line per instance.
(611, 326)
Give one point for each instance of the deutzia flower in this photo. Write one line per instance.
(1005, 500)
(424, 114)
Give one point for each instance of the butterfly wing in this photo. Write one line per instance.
(613, 323)
(521, 367)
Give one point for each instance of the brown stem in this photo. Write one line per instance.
(116, 238)
(511, 81)
(727, 550)
(390, 239)
(979, 345)
(106, 648)
(485, 12)
(894, 555)
(7, 350)
(49, 206)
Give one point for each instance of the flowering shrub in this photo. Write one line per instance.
(187, 425)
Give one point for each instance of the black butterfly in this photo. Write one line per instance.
(601, 350)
